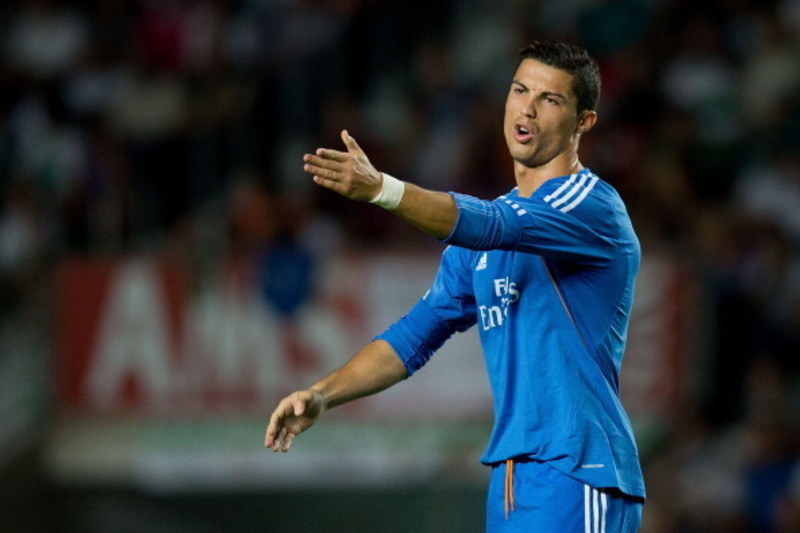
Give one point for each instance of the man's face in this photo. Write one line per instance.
(541, 119)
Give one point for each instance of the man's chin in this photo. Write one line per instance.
(528, 162)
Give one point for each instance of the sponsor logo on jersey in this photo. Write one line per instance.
(506, 293)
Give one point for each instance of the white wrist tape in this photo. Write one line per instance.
(391, 193)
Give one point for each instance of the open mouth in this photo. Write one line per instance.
(522, 133)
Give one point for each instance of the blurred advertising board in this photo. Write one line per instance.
(660, 369)
(167, 381)
(133, 339)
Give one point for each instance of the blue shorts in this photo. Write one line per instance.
(539, 498)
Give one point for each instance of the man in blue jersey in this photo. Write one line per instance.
(546, 273)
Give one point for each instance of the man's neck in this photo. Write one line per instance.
(531, 178)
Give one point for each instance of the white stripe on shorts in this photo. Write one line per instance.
(595, 506)
(587, 518)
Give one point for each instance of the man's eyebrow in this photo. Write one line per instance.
(557, 95)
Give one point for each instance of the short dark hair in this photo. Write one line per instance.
(572, 59)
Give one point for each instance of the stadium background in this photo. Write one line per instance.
(167, 271)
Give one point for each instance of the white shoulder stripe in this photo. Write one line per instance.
(580, 197)
(565, 198)
(561, 189)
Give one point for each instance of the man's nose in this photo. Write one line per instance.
(529, 108)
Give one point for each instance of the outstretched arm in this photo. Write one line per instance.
(374, 368)
(352, 175)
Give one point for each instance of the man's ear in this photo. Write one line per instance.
(586, 121)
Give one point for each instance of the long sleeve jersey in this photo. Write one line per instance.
(548, 281)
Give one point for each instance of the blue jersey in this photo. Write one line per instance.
(548, 281)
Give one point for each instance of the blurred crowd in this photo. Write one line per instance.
(178, 127)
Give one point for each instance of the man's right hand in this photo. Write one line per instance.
(294, 414)
(349, 173)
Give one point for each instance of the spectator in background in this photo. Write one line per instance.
(46, 39)
(700, 81)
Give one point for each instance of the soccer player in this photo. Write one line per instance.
(546, 273)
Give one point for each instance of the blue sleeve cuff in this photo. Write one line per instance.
(417, 336)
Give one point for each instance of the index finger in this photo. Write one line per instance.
(284, 409)
(335, 155)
